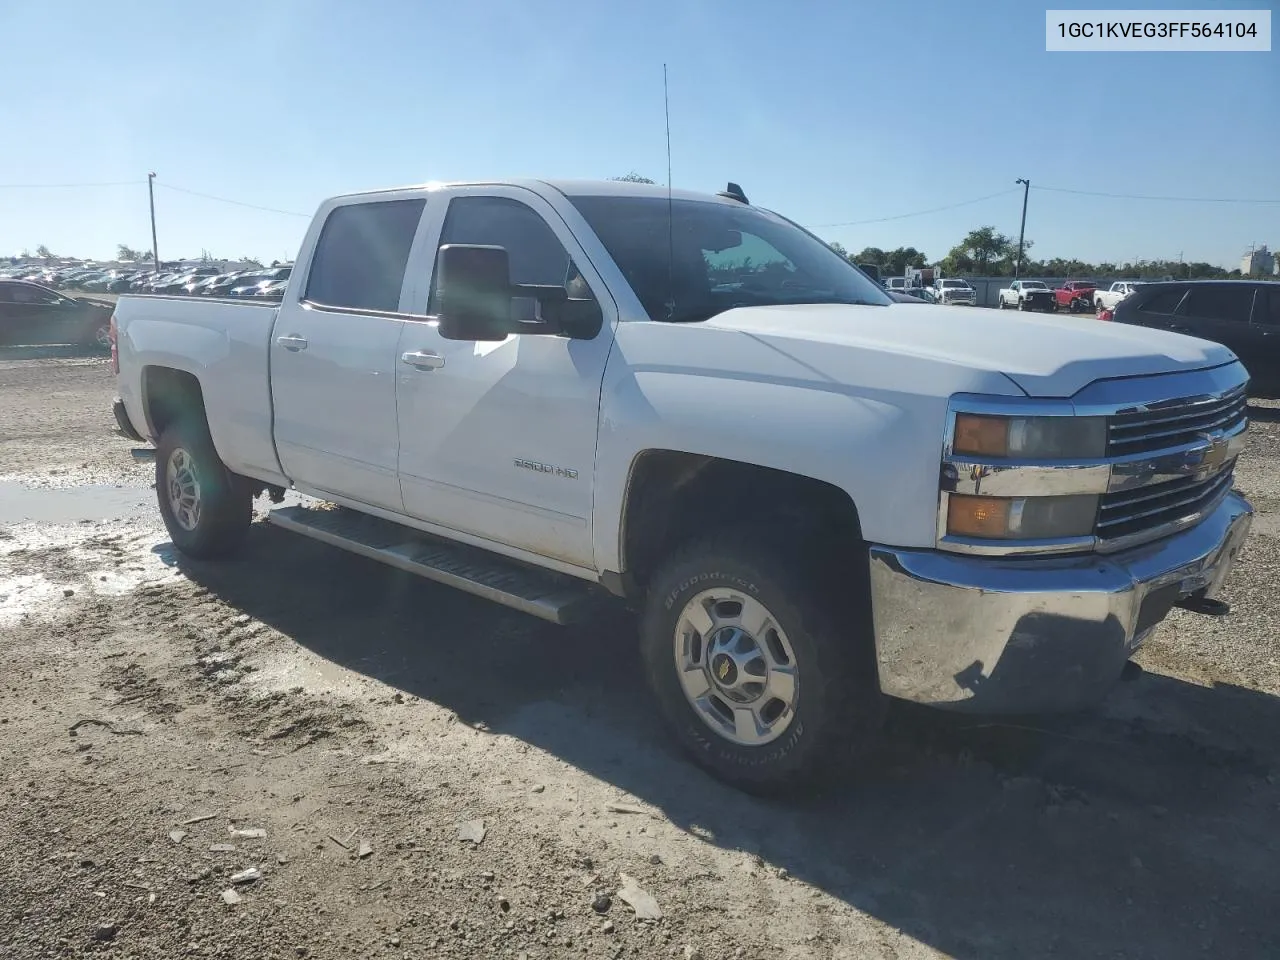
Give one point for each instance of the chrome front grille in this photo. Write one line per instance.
(1174, 424)
(1168, 504)
(1166, 465)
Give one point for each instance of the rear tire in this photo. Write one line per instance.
(99, 337)
(1000, 304)
(206, 508)
(762, 664)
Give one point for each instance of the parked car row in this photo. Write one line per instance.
(205, 280)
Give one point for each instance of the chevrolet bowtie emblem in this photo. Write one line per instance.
(723, 669)
(1216, 455)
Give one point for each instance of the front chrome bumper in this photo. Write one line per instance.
(1040, 635)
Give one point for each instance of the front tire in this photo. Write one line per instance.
(765, 675)
(206, 508)
(1022, 304)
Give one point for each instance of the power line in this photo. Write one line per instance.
(238, 203)
(59, 186)
(1140, 196)
(918, 213)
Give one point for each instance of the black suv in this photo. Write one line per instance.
(1241, 314)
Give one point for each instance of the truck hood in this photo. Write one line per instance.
(1045, 356)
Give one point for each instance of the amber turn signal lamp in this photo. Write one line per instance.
(986, 517)
(981, 436)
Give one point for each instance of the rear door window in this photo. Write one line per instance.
(1268, 311)
(361, 255)
(1224, 302)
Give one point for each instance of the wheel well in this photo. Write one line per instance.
(673, 497)
(168, 394)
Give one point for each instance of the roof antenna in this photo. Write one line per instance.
(671, 226)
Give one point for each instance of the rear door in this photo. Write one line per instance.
(1220, 312)
(1265, 368)
(333, 350)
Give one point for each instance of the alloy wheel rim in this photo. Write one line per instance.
(736, 666)
(184, 489)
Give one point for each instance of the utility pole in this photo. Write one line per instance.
(151, 192)
(1022, 231)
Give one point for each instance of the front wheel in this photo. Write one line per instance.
(1022, 304)
(765, 676)
(206, 508)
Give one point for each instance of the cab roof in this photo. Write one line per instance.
(570, 188)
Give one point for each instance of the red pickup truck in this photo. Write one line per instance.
(1075, 295)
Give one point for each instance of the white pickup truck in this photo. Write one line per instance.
(554, 393)
(1027, 295)
(1107, 299)
(952, 290)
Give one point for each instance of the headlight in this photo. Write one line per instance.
(1021, 518)
(1034, 438)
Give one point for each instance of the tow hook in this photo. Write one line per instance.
(1199, 603)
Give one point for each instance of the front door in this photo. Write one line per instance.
(16, 326)
(333, 353)
(498, 439)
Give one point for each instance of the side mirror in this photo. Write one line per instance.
(473, 292)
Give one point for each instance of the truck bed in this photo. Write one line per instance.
(225, 343)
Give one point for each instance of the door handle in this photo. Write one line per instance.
(422, 359)
(294, 343)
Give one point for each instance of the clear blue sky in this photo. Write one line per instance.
(826, 112)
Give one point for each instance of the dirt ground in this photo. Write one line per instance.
(367, 728)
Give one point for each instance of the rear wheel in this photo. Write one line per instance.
(206, 508)
(98, 336)
(765, 675)
(1000, 304)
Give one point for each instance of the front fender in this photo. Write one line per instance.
(879, 441)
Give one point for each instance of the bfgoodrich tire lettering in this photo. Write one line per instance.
(829, 695)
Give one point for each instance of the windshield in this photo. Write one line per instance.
(1033, 285)
(954, 283)
(726, 255)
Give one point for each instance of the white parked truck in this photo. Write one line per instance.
(953, 290)
(1107, 299)
(1027, 295)
(556, 393)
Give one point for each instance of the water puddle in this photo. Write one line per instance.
(87, 503)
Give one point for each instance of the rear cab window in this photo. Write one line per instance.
(360, 258)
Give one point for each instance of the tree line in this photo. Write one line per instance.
(128, 254)
(985, 252)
